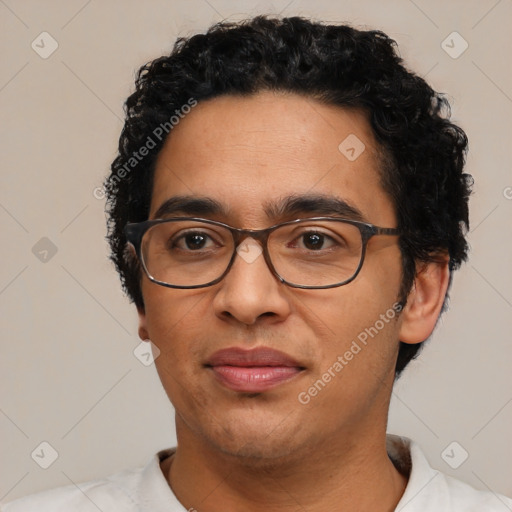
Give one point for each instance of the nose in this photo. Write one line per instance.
(250, 291)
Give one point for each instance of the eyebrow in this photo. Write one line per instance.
(317, 204)
(190, 205)
(281, 209)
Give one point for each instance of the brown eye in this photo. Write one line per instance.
(313, 241)
(192, 241)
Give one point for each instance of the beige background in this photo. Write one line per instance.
(69, 374)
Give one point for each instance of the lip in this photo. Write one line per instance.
(253, 371)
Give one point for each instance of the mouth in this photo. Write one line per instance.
(253, 371)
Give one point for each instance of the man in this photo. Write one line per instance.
(286, 211)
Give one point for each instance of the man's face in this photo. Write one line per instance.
(244, 153)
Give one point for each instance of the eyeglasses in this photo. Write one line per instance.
(189, 252)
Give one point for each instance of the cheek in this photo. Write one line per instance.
(359, 322)
(178, 323)
(167, 308)
(342, 313)
(357, 353)
(174, 321)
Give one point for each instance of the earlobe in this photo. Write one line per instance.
(143, 331)
(425, 301)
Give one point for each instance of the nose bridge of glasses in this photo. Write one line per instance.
(252, 252)
(250, 244)
(241, 235)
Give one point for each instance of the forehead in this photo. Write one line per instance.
(246, 151)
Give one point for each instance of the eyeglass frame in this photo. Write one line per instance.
(134, 232)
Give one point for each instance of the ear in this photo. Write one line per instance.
(143, 330)
(425, 300)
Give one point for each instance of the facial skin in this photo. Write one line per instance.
(268, 448)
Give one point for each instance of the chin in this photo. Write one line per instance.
(260, 453)
(260, 442)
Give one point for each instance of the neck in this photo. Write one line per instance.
(342, 475)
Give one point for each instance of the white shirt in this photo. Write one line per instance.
(146, 490)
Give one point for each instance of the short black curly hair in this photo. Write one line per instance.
(422, 170)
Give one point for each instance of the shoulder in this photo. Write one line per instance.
(109, 494)
(430, 490)
(125, 491)
(467, 498)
